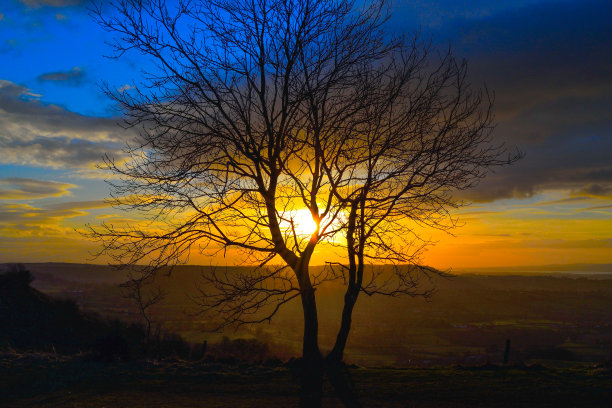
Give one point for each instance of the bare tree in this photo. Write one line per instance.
(256, 109)
(144, 295)
(421, 135)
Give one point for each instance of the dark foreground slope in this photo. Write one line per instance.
(51, 381)
(33, 321)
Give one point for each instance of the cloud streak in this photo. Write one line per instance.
(16, 188)
(72, 77)
(52, 3)
(37, 134)
(28, 220)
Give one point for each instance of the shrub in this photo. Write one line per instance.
(245, 350)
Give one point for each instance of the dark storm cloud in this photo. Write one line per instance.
(541, 52)
(596, 190)
(74, 76)
(438, 12)
(38, 134)
(550, 66)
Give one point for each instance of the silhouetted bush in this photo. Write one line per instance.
(273, 362)
(295, 367)
(239, 350)
(549, 353)
(17, 278)
(169, 345)
(112, 347)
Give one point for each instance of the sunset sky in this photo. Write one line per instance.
(548, 62)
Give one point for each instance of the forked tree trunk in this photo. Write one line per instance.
(313, 365)
(336, 370)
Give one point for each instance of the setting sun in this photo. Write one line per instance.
(303, 222)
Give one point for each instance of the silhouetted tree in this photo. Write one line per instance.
(145, 295)
(258, 108)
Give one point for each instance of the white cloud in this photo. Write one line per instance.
(125, 88)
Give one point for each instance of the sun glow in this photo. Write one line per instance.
(303, 222)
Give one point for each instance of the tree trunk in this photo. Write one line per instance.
(341, 381)
(336, 370)
(313, 365)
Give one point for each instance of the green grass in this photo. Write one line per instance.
(49, 381)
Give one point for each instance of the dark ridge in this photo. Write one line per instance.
(33, 321)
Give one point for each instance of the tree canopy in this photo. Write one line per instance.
(258, 110)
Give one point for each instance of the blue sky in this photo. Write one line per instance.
(548, 62)
(58, 53)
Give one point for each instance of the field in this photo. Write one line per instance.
(52, 381)
(546, 316)
(445, 351)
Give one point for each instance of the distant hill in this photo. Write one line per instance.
(94, 273)
(469, 317)
(75, 272)
(578, 269)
